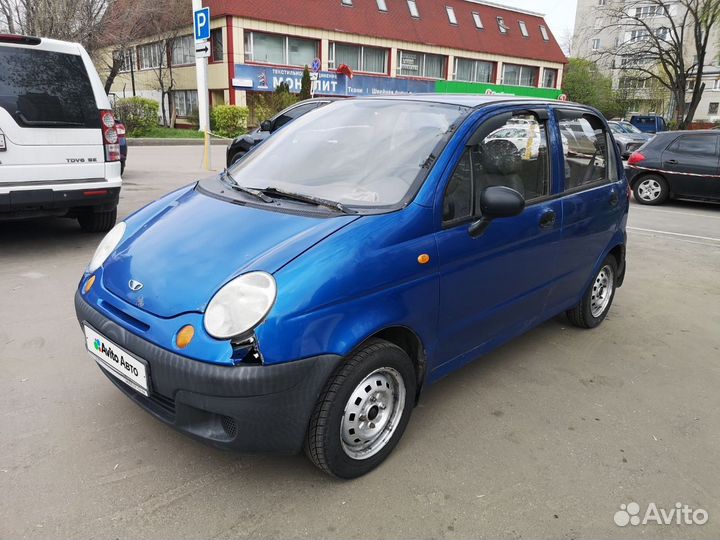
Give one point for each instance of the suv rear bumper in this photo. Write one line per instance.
(45, 201)
(250, 408)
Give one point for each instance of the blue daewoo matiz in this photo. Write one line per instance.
(306, 296)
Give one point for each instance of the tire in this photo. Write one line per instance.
(334, 438)
(596, 302)
(651, 189)
(95, 222)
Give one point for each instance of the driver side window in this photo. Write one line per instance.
(511, 153)
(585, 149)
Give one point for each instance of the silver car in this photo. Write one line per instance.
(628, 137)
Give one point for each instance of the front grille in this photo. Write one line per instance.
(229, 426)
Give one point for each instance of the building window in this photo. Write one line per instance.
(713, 108)
(358, 57)
(151, 56)
(346, 3)
(185, 102)
(283, 50)
(128, 62)
(415, 64)
(478, 20)
(602, 2)
(473, 70)
(544, 33)
(523, 28)
(216, 45)
(595, 44)
(517, 75)
(382, 6)
(716, 86)
(502, 26)
(451, 15)
(183, 51)
(550, 78)
(412, 6)
(691, 85)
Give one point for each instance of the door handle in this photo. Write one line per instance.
(672, 162)
(547, 219)
(614, 198)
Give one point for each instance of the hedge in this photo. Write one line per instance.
(139, 114)
(228, 120)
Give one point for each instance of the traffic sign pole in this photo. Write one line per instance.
(201, 19)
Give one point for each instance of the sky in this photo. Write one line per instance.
(559, 14)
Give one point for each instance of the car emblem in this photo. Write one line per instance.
(135, 286)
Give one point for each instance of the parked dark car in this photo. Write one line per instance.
(628, 137)
(649, 123)
(241, 145)
(680, 164)
(122, 140)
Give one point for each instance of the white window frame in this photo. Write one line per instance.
(129, 61)
(185, 42)
(155, 60)
(186, 113)
(421, 70)
(550, 70)
(382, 6)
(523, 29)
(544, 33)
(520, 74)
(477, 20)
(451, 15)
(347, 3)
(250, 50)
(595, 46)
(475, 61)
(361, 69)
(412, 6)
(501, 25)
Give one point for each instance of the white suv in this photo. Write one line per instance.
(59, 151)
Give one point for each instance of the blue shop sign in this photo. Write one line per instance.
(267, 79)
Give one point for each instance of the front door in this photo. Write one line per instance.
(496, 286)
(691, 164)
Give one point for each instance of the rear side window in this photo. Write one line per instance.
(586, 148)
(699, 145)
(46, 89)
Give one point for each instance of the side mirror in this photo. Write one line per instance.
(496, 202)
(266, 125)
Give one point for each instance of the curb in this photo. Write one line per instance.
(142, 141)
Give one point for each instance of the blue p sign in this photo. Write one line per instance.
(202, 24)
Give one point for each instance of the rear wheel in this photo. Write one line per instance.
(95, 222)
(596, 301)
(363, 411)
(651, 189)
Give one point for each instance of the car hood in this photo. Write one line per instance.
(194, 245)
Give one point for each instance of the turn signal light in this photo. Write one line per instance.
(635, 158)
(185, 336)
(88, 284)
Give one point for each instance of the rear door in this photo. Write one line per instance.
(594, 200)
(690, 163)
(49, 116)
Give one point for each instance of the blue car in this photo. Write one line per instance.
(305, 297)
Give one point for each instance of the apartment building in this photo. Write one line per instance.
(389, 46)
(597, 38)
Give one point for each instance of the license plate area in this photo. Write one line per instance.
(117, 361)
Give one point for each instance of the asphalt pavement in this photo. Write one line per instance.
(546, 437)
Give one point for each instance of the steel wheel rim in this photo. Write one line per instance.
(601, 292)
(649, 189)
(372, 413)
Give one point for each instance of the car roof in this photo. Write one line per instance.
(468, 100)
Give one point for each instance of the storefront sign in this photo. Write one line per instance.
(267, 79)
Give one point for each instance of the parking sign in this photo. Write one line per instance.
(201, 18)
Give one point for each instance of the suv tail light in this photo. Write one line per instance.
(17, 38)
(635, 158)
(110, 136)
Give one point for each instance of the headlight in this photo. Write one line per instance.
(107, 246)
(240, 305)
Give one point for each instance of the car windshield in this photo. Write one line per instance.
(616, 128)
(356, 152)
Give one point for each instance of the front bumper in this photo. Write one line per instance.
(250, 408)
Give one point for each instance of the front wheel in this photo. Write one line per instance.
(598, 297)
(363, 411)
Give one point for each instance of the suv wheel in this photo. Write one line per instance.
(598, 297)
(651, 189)
(95, 222)
(363, 410)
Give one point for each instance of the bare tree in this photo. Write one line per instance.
(663, 41)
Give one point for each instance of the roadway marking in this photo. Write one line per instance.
(700, 214)
(675, 234)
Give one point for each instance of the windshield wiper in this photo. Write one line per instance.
(237, 187)
(333, 205)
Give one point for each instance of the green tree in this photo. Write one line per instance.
(583, 83)
(305, 85)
